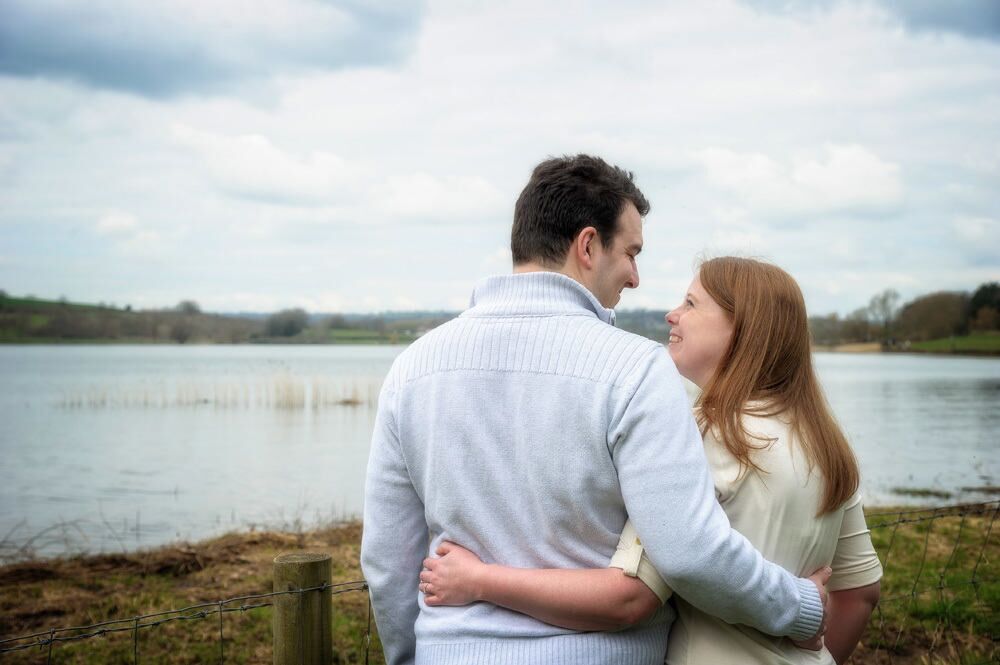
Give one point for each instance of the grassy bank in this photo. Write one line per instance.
(979, 343)
(940, 595)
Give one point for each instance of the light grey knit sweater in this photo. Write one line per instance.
(526, 430)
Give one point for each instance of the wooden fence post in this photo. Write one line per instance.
(303, 622)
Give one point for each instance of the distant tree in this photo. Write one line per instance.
(70, 324)
(934, 316)
(984, 306)
(882, 311)
(987, 318)
(3, 294)
(856, 327)
(108, 325)
(188, 307)
(286, 323)
(987, 295)
(181, 330)
(825, 329)
(336, 321)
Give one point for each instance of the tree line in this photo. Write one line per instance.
(31, 319)
(933, 316)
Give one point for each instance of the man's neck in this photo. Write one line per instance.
(567, 269)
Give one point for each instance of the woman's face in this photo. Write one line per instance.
(699, 335)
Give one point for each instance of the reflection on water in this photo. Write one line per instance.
(918, 422)
(180, 442)
(126, 446)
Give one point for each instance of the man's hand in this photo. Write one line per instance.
(819, 578)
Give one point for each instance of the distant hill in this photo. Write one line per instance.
(35, 320)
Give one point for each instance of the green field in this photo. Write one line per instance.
(984, 343)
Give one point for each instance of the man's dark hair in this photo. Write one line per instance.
(564, 196)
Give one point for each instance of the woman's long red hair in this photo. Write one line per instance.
(769, 360)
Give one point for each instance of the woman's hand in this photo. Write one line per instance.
(453, 577)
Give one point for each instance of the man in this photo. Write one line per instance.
(528, 428)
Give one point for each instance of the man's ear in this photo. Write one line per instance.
(583, 247)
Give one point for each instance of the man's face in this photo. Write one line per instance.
(615, 267)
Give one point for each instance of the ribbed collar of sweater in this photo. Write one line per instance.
(535, 294)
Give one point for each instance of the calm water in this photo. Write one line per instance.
(108, 447)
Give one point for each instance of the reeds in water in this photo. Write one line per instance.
(280, 392)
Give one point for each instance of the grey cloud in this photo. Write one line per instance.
(162, 48)
(972, 18)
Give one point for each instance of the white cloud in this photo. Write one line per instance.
(251, 165)
(846, 178)
(424, 196)
(832, 142)
(116, 223)
(979, 238)
(977, 229)
(143, 244)
(500, 261)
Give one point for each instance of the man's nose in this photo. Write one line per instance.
(633, 280)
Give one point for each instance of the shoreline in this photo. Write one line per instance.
(875, 347)
(41, 595)
(856, 348)
(923, 499)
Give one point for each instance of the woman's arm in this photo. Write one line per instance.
(848, 614)
(584, 599)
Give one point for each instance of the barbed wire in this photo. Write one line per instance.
(47, 638)
(892, 520)
(903, 516)
(890, 645)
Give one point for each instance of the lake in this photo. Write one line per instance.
(121, 447)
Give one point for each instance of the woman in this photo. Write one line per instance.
(782, 469)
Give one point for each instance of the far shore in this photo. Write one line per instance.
(860, 347)
(929, 349)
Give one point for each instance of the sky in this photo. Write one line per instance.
(365, 155)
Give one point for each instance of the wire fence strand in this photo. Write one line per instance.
(191, 613)
(937, 563)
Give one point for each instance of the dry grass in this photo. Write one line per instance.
(40, 595)
(930, 613)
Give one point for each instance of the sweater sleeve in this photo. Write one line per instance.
(394, 542)
(670, 498)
